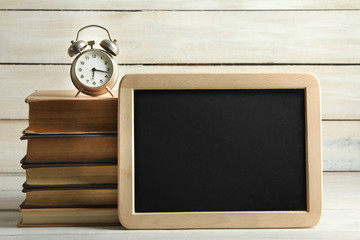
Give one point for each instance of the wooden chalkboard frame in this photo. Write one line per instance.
(250, 219)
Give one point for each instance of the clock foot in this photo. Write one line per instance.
(108, 89)
(77, 94)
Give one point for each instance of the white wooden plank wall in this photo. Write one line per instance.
(182, 37)
(321, 37)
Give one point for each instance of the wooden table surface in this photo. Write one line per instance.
(340, 220)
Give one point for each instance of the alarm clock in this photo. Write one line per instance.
(94, 71)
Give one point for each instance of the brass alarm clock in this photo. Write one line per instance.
(94, 71)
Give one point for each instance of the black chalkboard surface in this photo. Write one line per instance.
(219, 150)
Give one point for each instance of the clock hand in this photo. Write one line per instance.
(93, 70)
(100, 70)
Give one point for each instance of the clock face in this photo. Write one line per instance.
(94, 68)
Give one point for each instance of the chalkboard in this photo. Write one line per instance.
(196, 148)
(219, 150)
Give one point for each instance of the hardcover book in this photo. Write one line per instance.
(59, 111)
(71, 148)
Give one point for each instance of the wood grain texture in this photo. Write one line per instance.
(314, 179)
(341, 146)
(188, 37)
(250, 32)
(179, 4)
(341, 192)
(335, 225)
(12, 149)
(340, 85)
(10, 194)
(340, 219)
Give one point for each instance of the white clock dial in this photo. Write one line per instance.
(93, 68)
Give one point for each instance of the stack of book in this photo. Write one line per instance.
(71, 160)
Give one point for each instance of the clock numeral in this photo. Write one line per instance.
(101, 57)
(80, 69)
(82, 62)
(101, 81)
(94, 55)
(87, 81)
(105, 62)
(82, 76)
(107, 69)
(94, 83)
(106, 76)
(87, 58)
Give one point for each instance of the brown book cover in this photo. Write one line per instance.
(59, 111)
(70, 173)
(62, 197)
(86, 147)
(61, 217)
